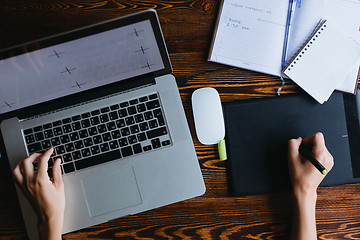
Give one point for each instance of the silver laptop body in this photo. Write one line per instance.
(117, 123)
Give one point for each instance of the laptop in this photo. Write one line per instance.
(103, 96)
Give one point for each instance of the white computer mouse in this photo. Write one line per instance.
(208, 115)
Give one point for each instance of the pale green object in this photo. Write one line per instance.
(324, 172)
(222, 150)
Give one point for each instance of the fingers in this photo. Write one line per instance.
(17, 175)
(27, 167)
(57, 173)
(315, 140)
(293, 148)
(43, 162)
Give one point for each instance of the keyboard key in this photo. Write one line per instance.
(165, 143)
(48, 133)
(147, 148)
(134, 129)
(97, 139)
(125, 131)
(148, 115)
(157, 112)
(95, 150)
(129, 121)
(57, 131)
(56, 123)
(143, 99)
(98, 159)
(38, 129)
(126, 151)
(101, 128)
(55, 141)
(95, 120)
(131, 110)
(39, 136)
(155, 143)
(28, 131)
(124, 104)
(66, 120)
(114, 107)
(29, 139)
(123, 142)
(134, 101)
(141, 108)
(85, 152)
(76, 155)
(93, 131)
(68, 168)
(83, 133)
(153, 124)
(153, 96)
(69, 147)
(105, 110)
(35, 147)
(111, 126)
(132, 139)
(156, 132)
(144, 126)
(47, 126)
(74, 136)
(95, 112)
(85, 123)
(64, 139)
(76, 126)
(60, 150)
(106, 137)
(120, 123)
(104, 118)
(67, 157)
(113, 115)
(137, 148)
(141, 137)
(104, 147)
(67, 128)
(139, 118)
(85, 115)
(78, 144)
(122, 113)
(153, 104)
(88, 142)
(76, 118)
(46, 144)
(113, 145)
(115, 134)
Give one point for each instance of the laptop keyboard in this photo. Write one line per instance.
(102, 135)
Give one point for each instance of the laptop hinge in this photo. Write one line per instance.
(91, 95)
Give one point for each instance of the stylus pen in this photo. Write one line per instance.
(309, 156)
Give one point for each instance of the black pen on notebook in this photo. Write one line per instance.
(309, 156)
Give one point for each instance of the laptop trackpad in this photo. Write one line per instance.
(111, 191)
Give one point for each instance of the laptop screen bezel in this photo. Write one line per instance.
(84, 32)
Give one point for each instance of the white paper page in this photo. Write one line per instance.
(250, 35)
(306, 18)
(345, 15)
(324, 62)
(78, 65)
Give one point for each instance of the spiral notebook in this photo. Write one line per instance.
(323, 61)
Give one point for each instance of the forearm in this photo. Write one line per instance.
(304, 224)
(50, 229)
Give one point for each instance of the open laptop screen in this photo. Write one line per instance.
(81, 60)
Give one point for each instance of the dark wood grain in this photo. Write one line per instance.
(188, 27)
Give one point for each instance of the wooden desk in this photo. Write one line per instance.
(188, 27)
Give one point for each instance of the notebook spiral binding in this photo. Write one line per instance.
(318, 29)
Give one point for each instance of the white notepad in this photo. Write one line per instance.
(324, 61)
